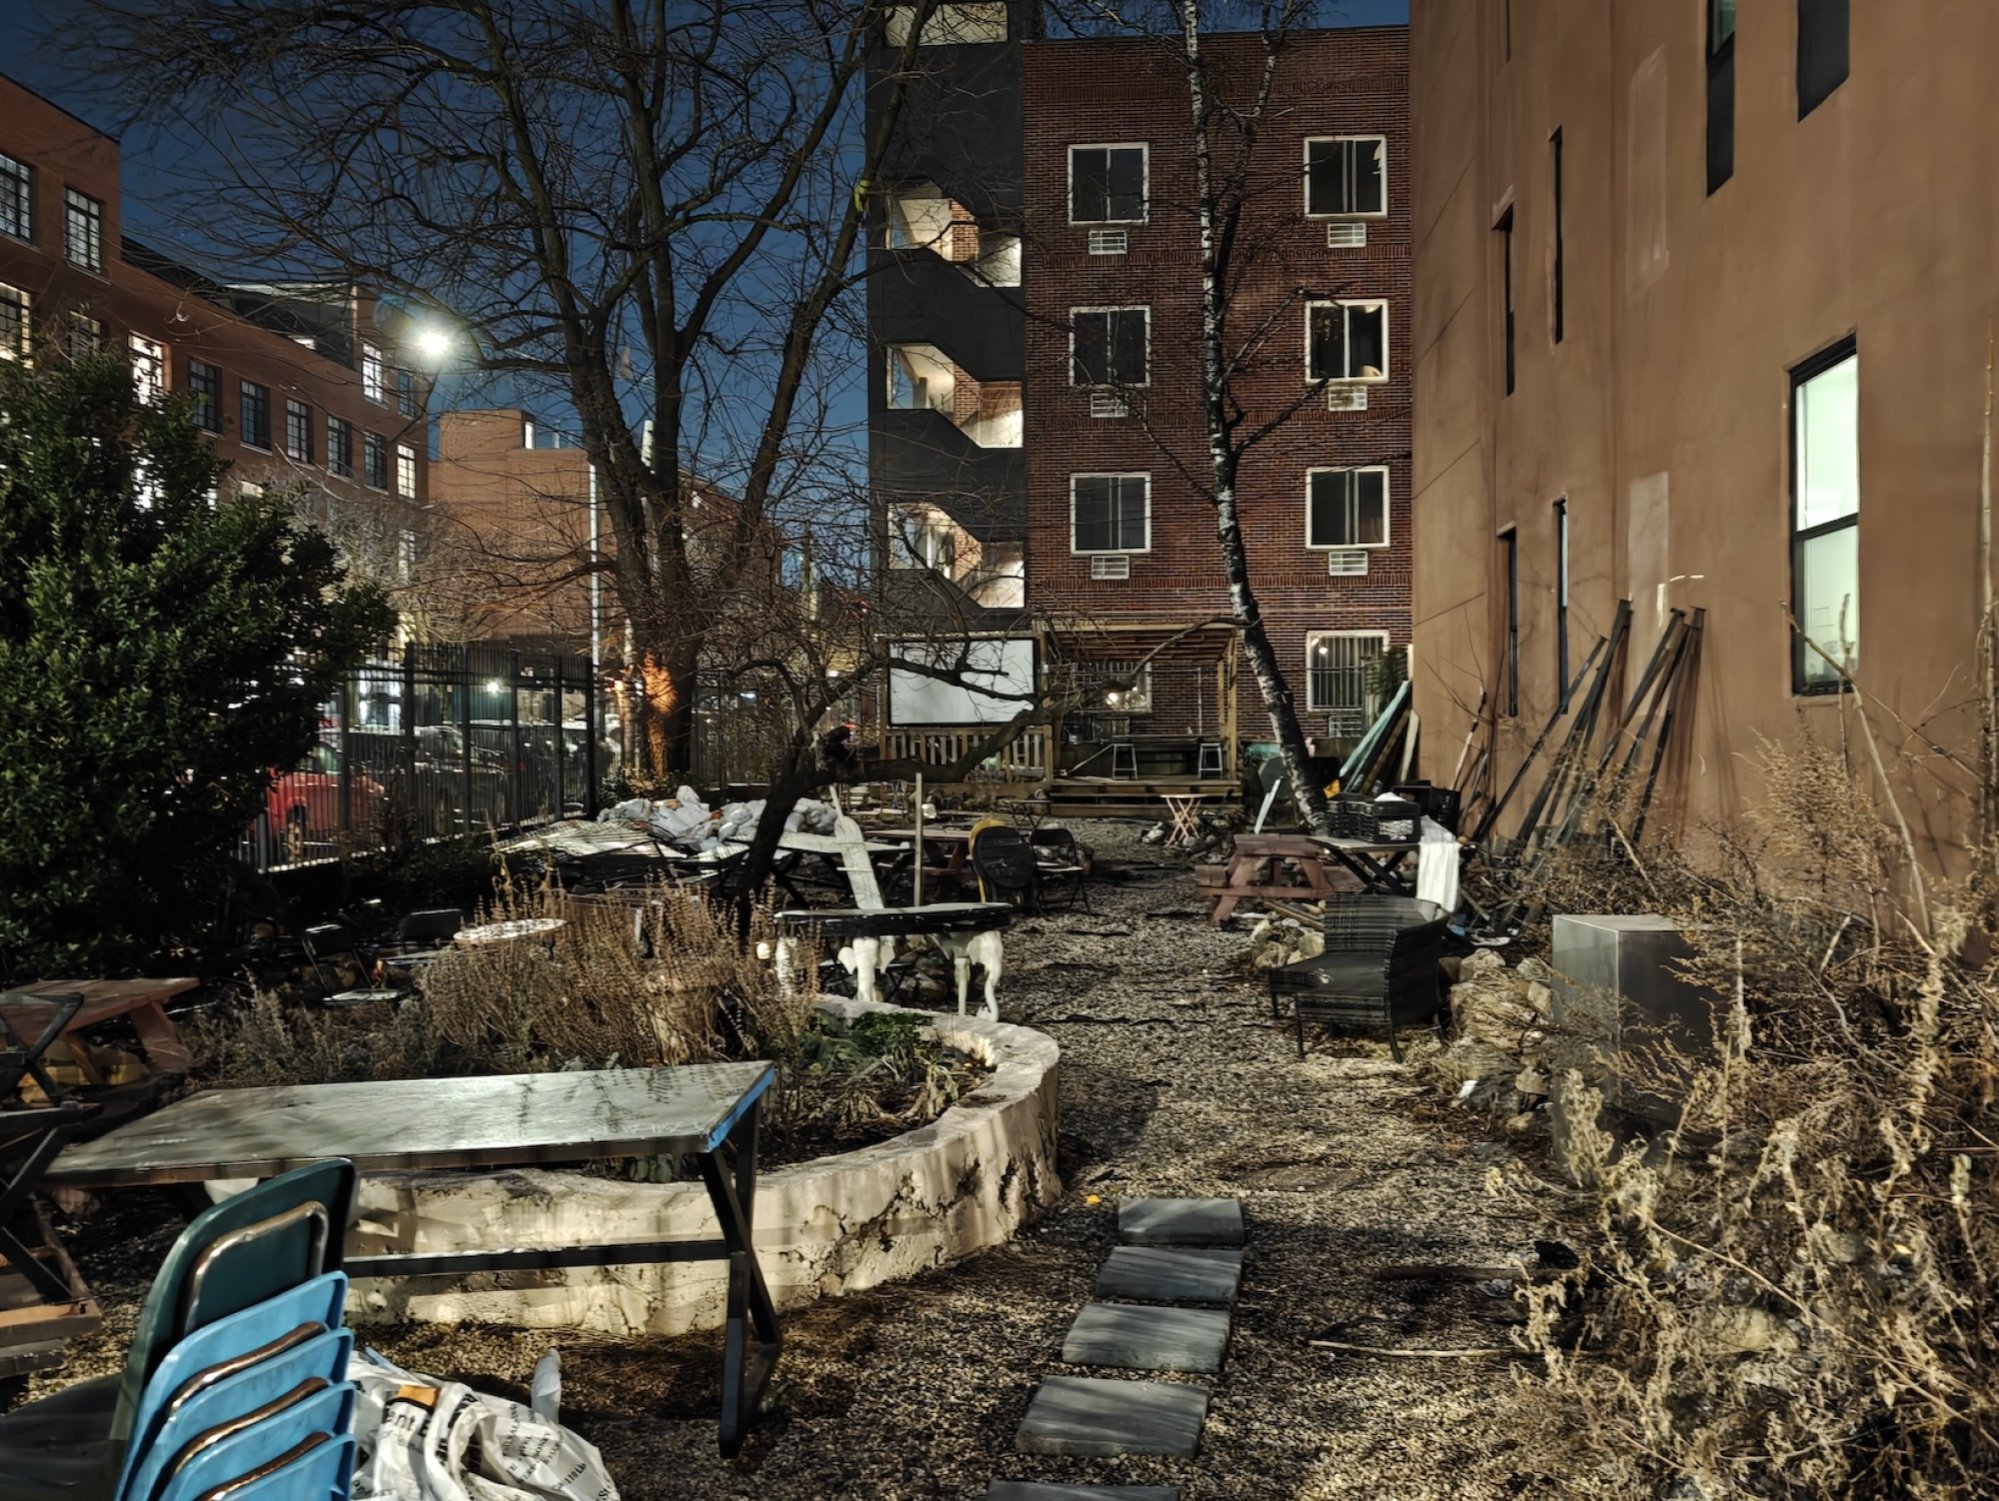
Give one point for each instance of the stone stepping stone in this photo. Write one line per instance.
(1180, 1222)
(1161, 1274)
(1100, 1416)
(1019, 1490)
(1147, 1339)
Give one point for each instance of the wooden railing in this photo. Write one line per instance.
(1025, 760)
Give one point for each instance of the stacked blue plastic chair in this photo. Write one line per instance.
(236, 1387)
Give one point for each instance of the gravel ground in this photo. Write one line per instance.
(1175, 1081)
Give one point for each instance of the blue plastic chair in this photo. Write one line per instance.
(283, 1430)
(322, 1469)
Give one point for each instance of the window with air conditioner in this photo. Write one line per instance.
(1346, 508)
(1346, 341)
(1107, 184)
(1346, 177)
(1825, 516)
(1337, 669)
(1110, 346)
(1110, 513)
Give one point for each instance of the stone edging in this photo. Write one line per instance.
(837, 1224)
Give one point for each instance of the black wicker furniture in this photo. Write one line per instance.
(1380, 968)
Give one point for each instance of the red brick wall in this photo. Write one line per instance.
(1348, 82)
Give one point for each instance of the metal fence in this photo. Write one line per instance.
(446, 740)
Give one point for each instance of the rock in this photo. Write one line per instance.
(1534, 970)
(1531, 1080)
(1542, 999)
(1481, 962)
(1517, 1125)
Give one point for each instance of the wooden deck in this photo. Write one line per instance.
(1134, 797)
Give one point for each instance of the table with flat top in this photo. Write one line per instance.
(141, 1002)
(1375, 863)
(708, 1110)
(946, 851)
(1252, 873)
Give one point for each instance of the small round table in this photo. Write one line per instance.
(544, 928)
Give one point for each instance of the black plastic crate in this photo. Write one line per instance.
(1440, 803)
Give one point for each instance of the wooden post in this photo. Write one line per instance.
(916, 846)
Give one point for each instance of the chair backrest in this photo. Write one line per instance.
(435, 926)
(324, 1470)
(1003, 860)
(1056, 839)
(1419, 948)
(261, 1442)
(265, 1241)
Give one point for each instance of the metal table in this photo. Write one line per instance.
(969, 932)
(1377, 865)
(709, 1111)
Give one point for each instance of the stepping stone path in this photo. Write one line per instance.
(1174, 1251)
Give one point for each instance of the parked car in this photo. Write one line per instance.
(303, 804)
(435, 782)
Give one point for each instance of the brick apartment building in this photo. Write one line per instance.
(297, 384)
(1035, 313)
(1702, 296)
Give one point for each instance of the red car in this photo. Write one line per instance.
(304, 803)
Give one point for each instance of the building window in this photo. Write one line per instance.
(149, 370)
(1825, 515)
(375, 460)
(253, 415)
(372, 375)
(86, 334)
(298, 432)
(406, 471)
(1346, 341)
(204, 390)
(1346, 508)
(17, 198)
(1506, 290)
(83, 237)
(1562, 602)
(1346, 177)
(1720, 92)
(405, 556)
(1110, 346)
(1110, 513)
(1107, 184)
(1509, 550)
(339, 447)
(1558, 272)
(406, 392)
(17, 323)
(1823, 31)
(950, 25)
(1336, 674)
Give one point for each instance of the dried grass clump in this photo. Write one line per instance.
(1792, 1295)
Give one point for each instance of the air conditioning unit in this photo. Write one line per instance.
(1104, 567)
(1346, 234)
(1347, 563)
(1109, 242)
(1348, 398)
(1108, 404)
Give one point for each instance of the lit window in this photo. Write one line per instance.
(406, 471)
(1346, 341)
(204, 390)
(375, 460)
(1107, 184)
(1110, 513)
(950, 25)
(17, 198)
(1110, 346)
(86, 334)
(1346, 508)
(339, 447)
(17, 327)
(372, 376)
(1337, 668)
(1825, 515)
(298, 432)
(149, 370)
(1346, 177)
(253, 415)
(83, 230)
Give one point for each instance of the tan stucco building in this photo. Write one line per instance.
(1702, 295)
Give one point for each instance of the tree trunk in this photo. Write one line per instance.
(665, 706)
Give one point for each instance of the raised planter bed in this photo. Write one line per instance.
(836, 1224)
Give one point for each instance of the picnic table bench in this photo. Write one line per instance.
(142, 1002)
(1251, 873)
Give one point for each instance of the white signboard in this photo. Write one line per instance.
(999, 666)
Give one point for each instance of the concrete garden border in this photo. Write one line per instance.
(836, 1224)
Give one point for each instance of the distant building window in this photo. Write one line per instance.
(375, 460)
(1346, 177)
(83, 236)
(405, 556)
(1107, 184)
(406, 471)
(298, 432)
(950, 25)
(372, 375)
(1825, 515)
(149, 370)
(204, 390)
(339, 447)
(1720, 92)
(1336, 673)
(1823, 44)
(17, 326)
(86, 335)
(406, 392)
(17, 198)
(1109, 346)
(1346, 341)
(1110, 513)
(253, 415)
(1346, 508)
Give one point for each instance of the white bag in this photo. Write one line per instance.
(421, 1439)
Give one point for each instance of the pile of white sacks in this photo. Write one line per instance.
(687, 823)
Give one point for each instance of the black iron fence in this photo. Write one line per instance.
(443, 741)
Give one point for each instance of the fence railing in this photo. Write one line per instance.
(443, 741)
(1026, 759)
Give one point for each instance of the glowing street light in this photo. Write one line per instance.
(433, 343)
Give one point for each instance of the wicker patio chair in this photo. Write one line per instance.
(1380, 968)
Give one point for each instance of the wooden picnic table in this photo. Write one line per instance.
(1250, 874)
(708, 1110)
(142, 1002)
(1375, 863)
(952, 850)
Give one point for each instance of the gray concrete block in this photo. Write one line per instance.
(1095, 1416)
(1147, 1339)
(1162, 1274)
(1180, 1222)
(1021, 1490)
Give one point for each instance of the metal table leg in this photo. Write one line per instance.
(746, 1371)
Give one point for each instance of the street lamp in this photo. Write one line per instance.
(433, 343)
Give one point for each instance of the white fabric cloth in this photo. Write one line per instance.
(1437, 866)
